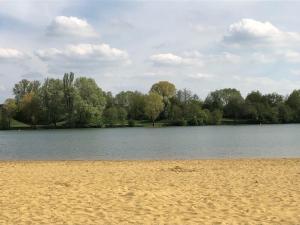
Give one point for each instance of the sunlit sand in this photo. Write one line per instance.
(151, 192)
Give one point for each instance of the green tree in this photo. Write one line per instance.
(285, 113)
(167, 90)
(111, 115)
(154, 106)
(89, 102)
(9, 111)
(25, 87)
(216, 117)
(69, 93)
(293, 101)
(52, 96)
(164, 88)
(30, 107)
(223, 99)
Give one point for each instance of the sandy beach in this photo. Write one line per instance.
(150, 192)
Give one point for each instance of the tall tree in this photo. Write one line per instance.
(164, 88)
(221, 98)
(25, 87)
(30, 107)
(69, 96)
(154, 106)
(167, 90)
(90, 101)
(10, 108)
(293, 101)
(52, 99)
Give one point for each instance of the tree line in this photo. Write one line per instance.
(80, 102)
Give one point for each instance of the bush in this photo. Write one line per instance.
(131, 123)
(196, 121)
(180, 122)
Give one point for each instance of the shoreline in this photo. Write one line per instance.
(149, 160)
(208, 191)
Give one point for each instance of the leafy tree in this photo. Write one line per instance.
(293, 101)
(30, 107)
(154, 106)
(52, 95)
(273, 99)
(4, 119)
(167, 90)
(285, 113)
(89, 101)
(115, 114)
(9, 110)
(164, 89)
(25, 87)
(220, 99)
(69, 93)
(122, 115)
(111, 115)
(132, 102)
(216, 117)
(109, 99)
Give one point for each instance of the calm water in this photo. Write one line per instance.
(149, 143)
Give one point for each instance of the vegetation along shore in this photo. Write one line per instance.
(70, 103)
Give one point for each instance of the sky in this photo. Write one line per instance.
(129, 45)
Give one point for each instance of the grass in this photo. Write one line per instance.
(18, 124)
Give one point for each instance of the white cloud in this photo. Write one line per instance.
(83, 58)
(257, 32)
(101, 52)
(166, 59)
(70, 26)
(11, 54)
(202, 76)
(169, 59)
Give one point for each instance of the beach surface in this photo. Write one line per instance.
(257, 191)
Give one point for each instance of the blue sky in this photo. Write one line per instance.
(129, 45)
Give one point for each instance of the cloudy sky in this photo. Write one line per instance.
(129, 45)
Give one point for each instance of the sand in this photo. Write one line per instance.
(150, 192)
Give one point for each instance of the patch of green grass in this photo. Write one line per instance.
(18, 124)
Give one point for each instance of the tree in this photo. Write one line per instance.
(293, 101)
(167, 90)
(136, 110)
(164, 89)
(89, 102)
(9, 110)
(216, 117)
(154, 106)
(69, 96)
(25, 87)
(285, 113)
(115, 114)
(52, 96)
(219, 99)
(132, 102)
(273, 99)
(111, 115)
(30, 107)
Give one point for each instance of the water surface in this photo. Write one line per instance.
(152, 143)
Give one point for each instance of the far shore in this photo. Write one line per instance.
(234, 191)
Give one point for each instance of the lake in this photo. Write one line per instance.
(152, 143)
